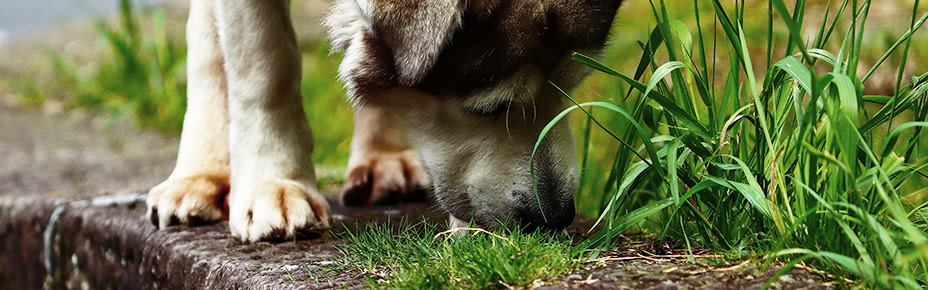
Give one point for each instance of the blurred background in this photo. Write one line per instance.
(19, 18)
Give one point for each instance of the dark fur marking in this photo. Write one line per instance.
(282, 204)
(153, 217)
(276, 235)
(415, 32)
(220, 200)
(250, 216)
(358, 193)
(375, 72)
(551, 207)
(487, 50)
(495, 39)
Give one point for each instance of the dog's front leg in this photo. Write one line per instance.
(383, 168)
(273, 193)
(197, 189)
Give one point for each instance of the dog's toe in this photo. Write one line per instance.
(279, 211)
(193, 200)
(358, 188)
(386, 178)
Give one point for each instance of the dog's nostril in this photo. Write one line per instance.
(552, 215)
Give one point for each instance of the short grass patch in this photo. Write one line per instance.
(422, 256)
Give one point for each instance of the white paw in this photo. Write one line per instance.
(192, 200)
(277, 211)
(385, 178)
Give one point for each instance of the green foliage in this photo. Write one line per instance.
(799, 164)
(418, 256)
(30, 94)
(141, 76)
(329, 114)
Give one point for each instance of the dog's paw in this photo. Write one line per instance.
(192, 200)
(278, 211)
(386, 178)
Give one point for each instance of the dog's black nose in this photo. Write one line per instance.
(544, 212)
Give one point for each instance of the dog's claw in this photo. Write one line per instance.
(153, 216)
(357, 189)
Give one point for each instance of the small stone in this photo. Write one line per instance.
(290, 268)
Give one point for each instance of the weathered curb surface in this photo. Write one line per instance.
(113, 247)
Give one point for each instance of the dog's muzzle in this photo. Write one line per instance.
(550, 215)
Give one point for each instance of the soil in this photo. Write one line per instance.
(635, 264)
(46, 151)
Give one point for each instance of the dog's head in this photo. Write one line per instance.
(473, 81)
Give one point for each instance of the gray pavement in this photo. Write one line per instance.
(77, 155)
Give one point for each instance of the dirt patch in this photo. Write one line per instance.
(633, 266)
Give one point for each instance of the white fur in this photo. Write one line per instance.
(270, 140)
(204, 146)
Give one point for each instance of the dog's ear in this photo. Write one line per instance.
(415, 31)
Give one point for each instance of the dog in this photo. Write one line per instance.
(450, 95)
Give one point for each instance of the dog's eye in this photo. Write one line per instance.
(489, 110)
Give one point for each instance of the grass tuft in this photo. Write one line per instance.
(420, 256)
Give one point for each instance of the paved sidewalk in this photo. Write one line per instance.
(74, 155)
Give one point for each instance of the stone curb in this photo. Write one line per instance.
(108, 244)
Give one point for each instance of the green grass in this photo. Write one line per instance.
(329, 113)
(789, 160)
(139, 76)
(420, 256)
